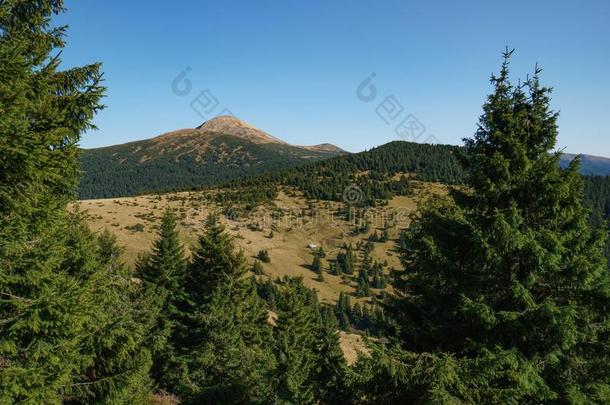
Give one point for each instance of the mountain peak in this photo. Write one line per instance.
(225, 121)
(226, 124)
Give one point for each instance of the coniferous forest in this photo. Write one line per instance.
(504, 296)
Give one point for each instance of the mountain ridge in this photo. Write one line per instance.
(223, 148)
(590, 165)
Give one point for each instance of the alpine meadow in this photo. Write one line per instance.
(219, 264)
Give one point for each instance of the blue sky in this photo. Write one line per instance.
(293, 68)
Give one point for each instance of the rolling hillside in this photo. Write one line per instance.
(219, 150)
(350, 199)
(286, 210)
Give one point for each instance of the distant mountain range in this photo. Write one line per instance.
(221, 149)
(590, 165)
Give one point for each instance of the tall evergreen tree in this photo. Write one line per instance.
(68, 328)
(505, 296)
(226, 340)
(347, 260)
(331, 369)
(166, 266)
(296, 344)
(363, 287)
(214, 261)
(119, 322)
(343, 311)
(316, 264)
(162, 273)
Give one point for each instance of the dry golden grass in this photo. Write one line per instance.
(164, 398)
(295, 226)
(351, 345)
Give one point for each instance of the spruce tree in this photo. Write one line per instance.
(69, 327)
(367, 262)
(214, 260)
(356, 314)
(366, 318)
(334, 269)
(316, 265)
(343, 311)
(226, 341)
(331, 370)
(505, 296)
(162, 273)
(346, 261)
(165, 267)
(363, 288)
(296, 344)
(119, 322)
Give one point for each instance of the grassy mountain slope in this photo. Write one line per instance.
(294, 222)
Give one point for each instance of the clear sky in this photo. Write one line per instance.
(293, 68)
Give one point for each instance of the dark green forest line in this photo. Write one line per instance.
(597, 196)
(127, 170)
(363, 179)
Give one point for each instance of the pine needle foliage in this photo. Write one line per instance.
(505, 296)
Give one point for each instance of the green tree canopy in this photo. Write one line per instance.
(163, 272)
(505, 293)
(72, 322)
(226, 341)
